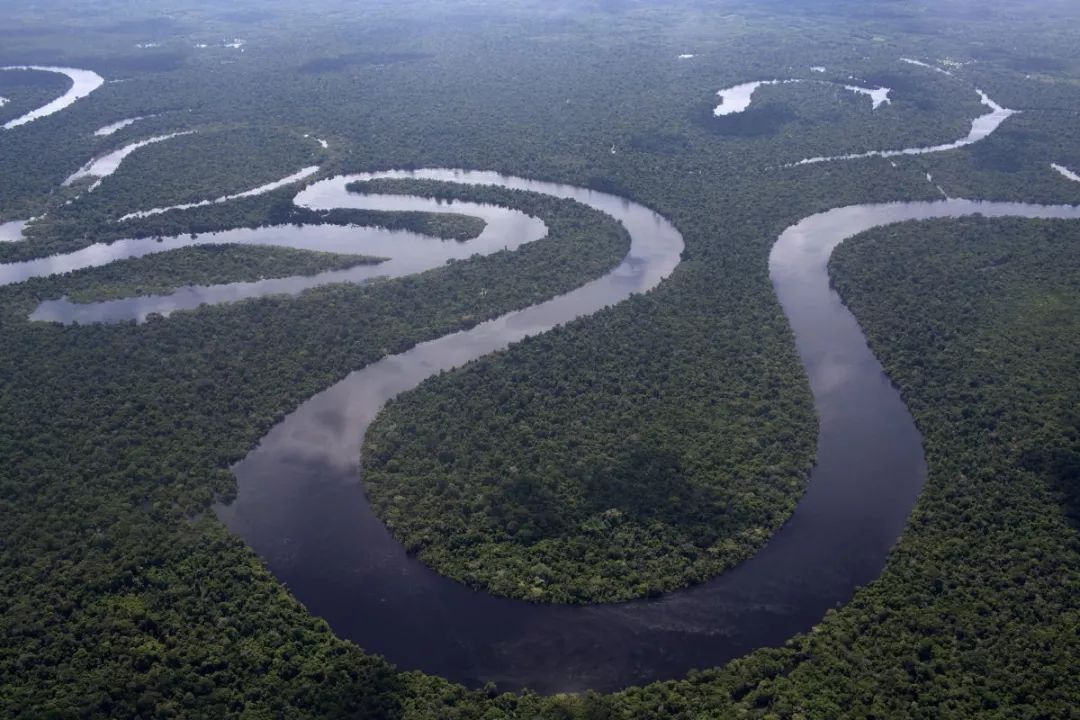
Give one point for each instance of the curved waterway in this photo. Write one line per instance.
(981, 128)
(402, 253)
(297, 176)
(301, 502)
(737, 99)
(106, 165)
(83, 82)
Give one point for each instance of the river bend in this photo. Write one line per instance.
(404, 253)
(301, 503)
(83, 82)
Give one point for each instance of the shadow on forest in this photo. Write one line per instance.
(1060, 463)
(142, 62)
(343, 62)
(659, 142)
(763, 120)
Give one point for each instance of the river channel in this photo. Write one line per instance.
(301, 502)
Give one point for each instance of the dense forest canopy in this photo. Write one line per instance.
(655, 443)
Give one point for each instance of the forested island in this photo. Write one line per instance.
(627, 455)
(202, 265)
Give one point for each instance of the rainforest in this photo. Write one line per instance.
(575, 360)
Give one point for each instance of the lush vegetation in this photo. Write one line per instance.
(206, 164)
(117, 537)
(26, 90)
(581, 244)
(976, 613)
(120, 600)
(563, 470)
(648, 489)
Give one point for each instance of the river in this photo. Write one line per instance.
(301, 503)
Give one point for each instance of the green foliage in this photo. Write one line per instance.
(28, 90)
(207, 164)
(555, 471)
(162, 273)
(115, 604)
(136, 450)
(975, 616)
(976, 613)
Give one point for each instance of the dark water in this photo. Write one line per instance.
(301, 503)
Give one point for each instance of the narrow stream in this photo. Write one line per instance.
(981, 128)
(297, 176)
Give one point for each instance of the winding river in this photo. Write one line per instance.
(301, 503)
(83, 82)
(737, 99)
(302, 507)
(403, 253)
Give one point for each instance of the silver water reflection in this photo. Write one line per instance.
(301, 503)
(83, 82)
(798, 263)
(737, 99)
(108, 164)
(297, 176)
(405, 252)
(12, 231)
(119, 125)
(981, 128)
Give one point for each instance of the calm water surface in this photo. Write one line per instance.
(405, 253)
(83, 82)
(301, 503)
